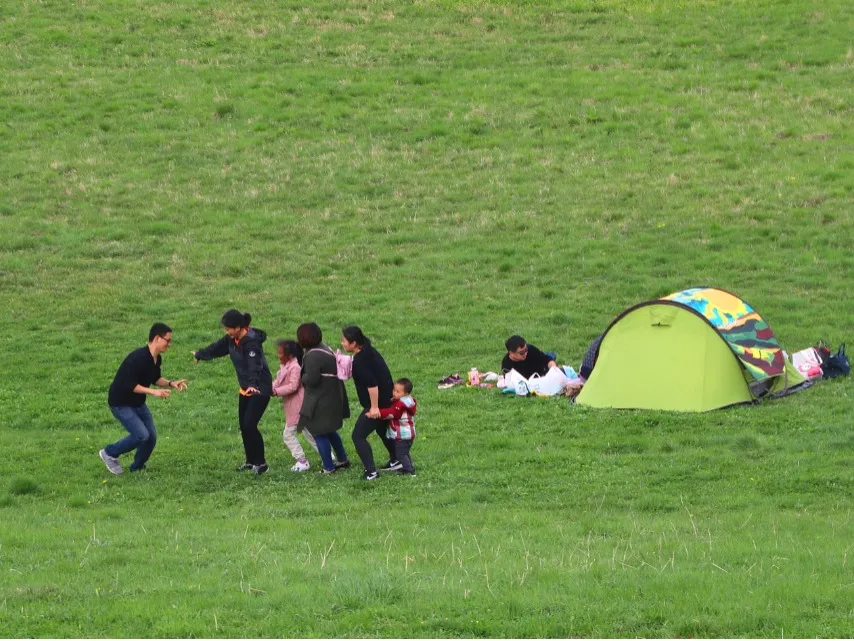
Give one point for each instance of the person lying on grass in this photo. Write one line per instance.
(574, 387)
(525, 358)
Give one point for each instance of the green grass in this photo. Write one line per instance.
(443, 174)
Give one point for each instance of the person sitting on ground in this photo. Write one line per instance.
(525, 358)
(401, 426)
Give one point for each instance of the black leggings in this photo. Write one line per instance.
(250, 409)
(363, 428)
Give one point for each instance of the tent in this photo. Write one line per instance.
(693, 351)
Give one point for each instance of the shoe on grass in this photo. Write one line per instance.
(244, 468)
(371, 476)
(392, 466)
(258, 470)
(301, 466)
(111, 462)
(323, 470)
(342, 465)
(406, 473)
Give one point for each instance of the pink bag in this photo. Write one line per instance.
(345, 365)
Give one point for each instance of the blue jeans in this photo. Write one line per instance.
(142, 436)
(325, 444)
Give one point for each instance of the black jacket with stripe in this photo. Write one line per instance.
(248, 359)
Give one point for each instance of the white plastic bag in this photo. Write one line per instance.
(512, 378)
(550, 384)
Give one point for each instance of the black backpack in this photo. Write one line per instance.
(836, 364)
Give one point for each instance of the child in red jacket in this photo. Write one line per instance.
(401, 428)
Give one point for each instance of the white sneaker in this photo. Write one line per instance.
(301, 466)
(111, 462)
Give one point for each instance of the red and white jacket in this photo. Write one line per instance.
(401, 417)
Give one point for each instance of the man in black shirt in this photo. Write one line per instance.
(525, 359)
(131, 384)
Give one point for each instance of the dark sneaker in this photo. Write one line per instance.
(244, 468)
(406, 472)
(371, 476)
(450, 381)
(258, 470)
(392, 466)
(141, 468)
(342, 465)
(111, 462)
(323, 470)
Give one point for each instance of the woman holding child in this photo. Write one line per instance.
(324, 404)
(375, 389)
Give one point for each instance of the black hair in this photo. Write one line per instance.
(158, 329)
(514, 342)
(354, 334)
(407, 384)
(292, 348)
(233, 318)
(309, 335)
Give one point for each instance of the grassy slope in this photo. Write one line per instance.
(443, 175)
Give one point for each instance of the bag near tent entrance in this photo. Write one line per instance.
(696, 350)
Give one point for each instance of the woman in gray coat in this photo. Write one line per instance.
(324, 405)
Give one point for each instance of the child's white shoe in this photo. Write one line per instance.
(301, 466)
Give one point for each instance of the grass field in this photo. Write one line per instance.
(443, 174)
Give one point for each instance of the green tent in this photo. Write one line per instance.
(695, 350)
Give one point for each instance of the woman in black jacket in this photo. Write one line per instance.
(244, 344)
(324, 405)
(374, 387)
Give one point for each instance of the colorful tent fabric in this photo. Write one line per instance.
(747, 334)
(695, 350)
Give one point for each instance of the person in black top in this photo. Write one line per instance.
(573, 388)
(374, 387)
(132, 382)
(244, 345)
(525, 359)
(589, 361)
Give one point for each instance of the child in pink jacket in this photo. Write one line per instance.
(401, 423)
(289, 387)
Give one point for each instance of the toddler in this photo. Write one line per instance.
(401, 417)
(289, 386)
